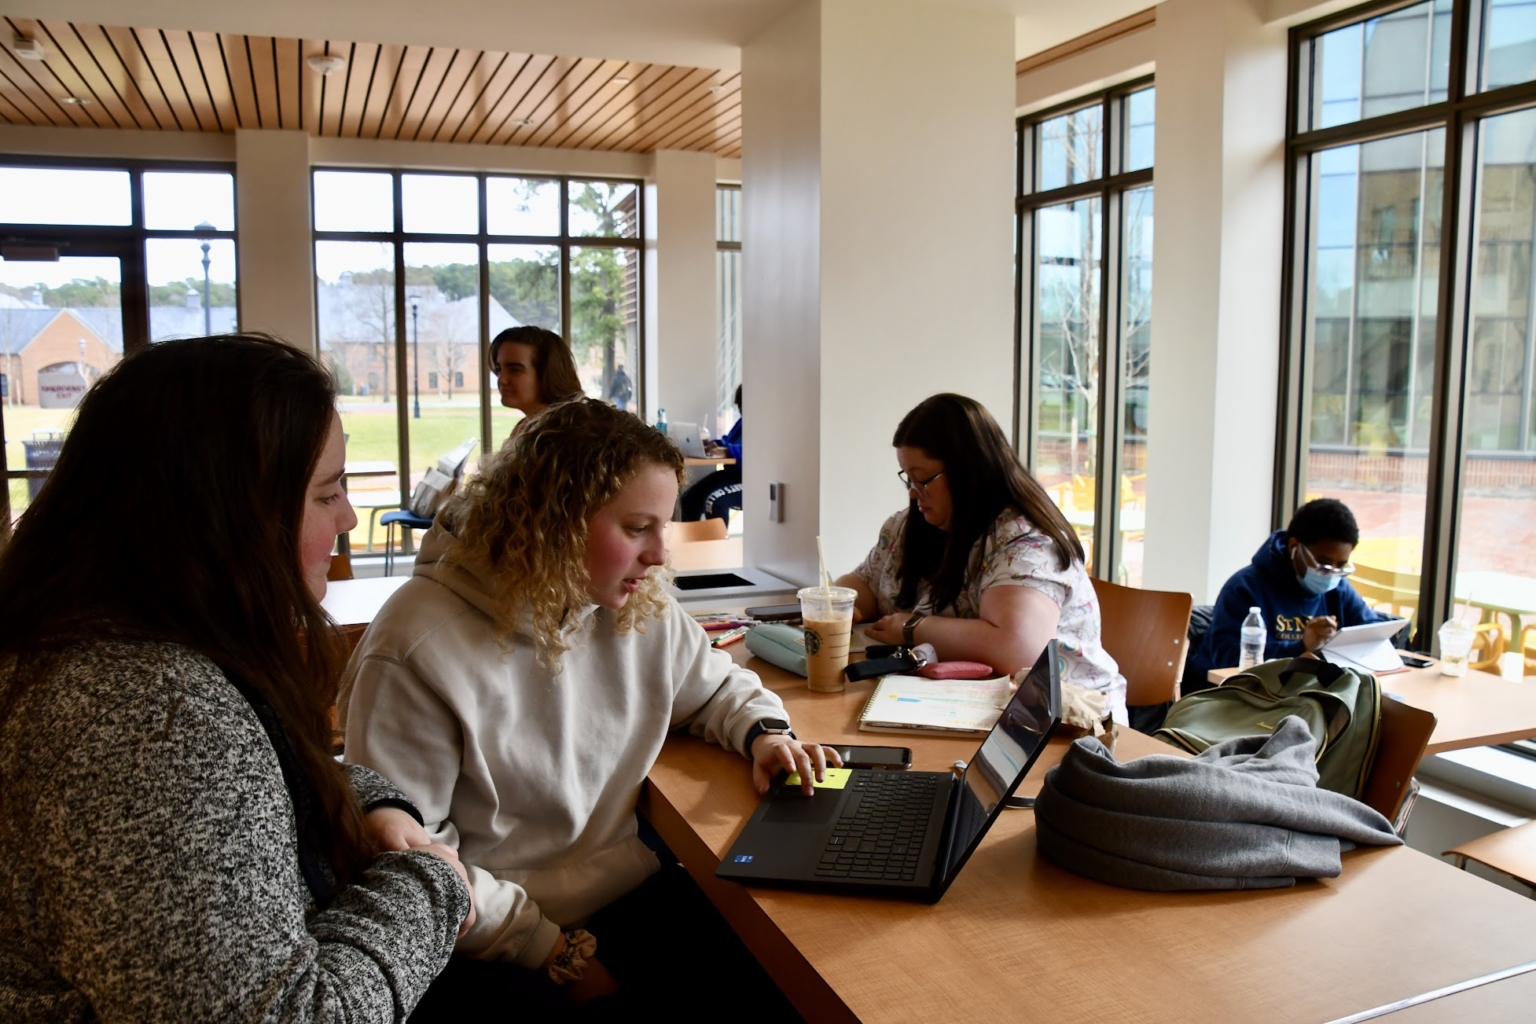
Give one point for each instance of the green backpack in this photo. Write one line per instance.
(1341, 707)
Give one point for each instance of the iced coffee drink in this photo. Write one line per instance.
(828, 616)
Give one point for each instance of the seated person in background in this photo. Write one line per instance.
(980, 564)
(1297, 581)
(180, 843)
(534, 369)
(716, 494)
(521, 685)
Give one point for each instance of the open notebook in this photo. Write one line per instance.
(914, 704)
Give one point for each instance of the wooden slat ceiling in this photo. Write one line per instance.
(160, 80)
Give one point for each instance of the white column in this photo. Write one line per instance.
(1221, 81)
(680, 285)
(276, 247)
(877, 186)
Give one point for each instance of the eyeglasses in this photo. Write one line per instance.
(1332, 570)
(914, 484)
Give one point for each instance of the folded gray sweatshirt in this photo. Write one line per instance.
(1244, 814)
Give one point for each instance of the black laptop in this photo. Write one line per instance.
(902, 834)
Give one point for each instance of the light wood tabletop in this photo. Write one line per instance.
(1019, 939)
(356, 602)
(690, 460)
(1474, 710)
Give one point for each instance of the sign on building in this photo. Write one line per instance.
(60, 390)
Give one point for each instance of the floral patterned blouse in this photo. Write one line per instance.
(1013, 554)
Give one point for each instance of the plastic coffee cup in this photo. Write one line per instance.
(1455, 646)
(828, 616)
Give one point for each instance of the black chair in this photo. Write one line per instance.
(408, 521)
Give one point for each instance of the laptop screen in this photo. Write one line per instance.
(1005, 755)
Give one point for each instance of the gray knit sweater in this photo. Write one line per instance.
(151, 863)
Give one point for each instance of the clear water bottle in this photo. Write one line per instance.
(661, 420)
(1252, 640)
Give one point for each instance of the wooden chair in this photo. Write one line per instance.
(1146, 632)
(1405, 732)
(697, 529)
(1397, 593)
(1510, 850)
(341, 567)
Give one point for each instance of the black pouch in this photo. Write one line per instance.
(882, 660)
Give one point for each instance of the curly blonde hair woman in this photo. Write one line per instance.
(519, 687)
(524, 518)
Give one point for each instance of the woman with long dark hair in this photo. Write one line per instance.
(179, 841)
(980, 564)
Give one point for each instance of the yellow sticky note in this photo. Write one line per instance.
(835, 778)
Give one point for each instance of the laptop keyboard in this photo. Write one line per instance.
(880, 833)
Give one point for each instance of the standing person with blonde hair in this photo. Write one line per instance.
(521, 685)
(179, 842)
(534, 369)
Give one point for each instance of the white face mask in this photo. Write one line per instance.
(1318, 582)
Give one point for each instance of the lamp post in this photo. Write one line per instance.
(416, 361)
(207, 313)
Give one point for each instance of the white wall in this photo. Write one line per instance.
(680, 286)
(872, 278)
(1119, 60)
(1221, 81)
(781, 290)
(272, 211)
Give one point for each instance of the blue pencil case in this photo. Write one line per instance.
(782, 645)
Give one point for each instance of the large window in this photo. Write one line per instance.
(1085, 316)
(418, 271)
(727, 303)
(1410, 340)
(98, 259)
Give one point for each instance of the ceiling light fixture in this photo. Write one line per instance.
(77, 101)
(717, 88)
(326, 63)
(622, 81)
(523, 121)
(27, 49)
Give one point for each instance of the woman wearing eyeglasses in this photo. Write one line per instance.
(1297, 580)
(981, 563)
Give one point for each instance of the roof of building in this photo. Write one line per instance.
(349, 313)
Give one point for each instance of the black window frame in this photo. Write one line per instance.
(482, 238)
(126, 242)
(1459, 114)
(1110, 188)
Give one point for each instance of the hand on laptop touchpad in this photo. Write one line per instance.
(794, 806)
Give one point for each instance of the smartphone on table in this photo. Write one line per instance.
(1414, 660)
(775, 612)
(897, 759)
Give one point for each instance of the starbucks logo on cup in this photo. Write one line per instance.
(812, 642)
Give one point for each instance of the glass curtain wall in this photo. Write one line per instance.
(1085, 316)
(417, 272)
(727, 303)
(1409, 343)
(96, 260)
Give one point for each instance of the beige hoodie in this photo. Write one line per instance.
(533, 777)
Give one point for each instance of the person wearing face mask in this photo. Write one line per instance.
(1298, 580)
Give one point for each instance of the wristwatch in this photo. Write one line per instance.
(907, 627)
(770, 727)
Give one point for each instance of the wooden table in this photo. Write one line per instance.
(356, 602)
(1019, 939)
(1475, 710)
(689, 460)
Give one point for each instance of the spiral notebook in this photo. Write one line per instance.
(962, 707)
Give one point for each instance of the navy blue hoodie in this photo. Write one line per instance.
(1270, 582)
